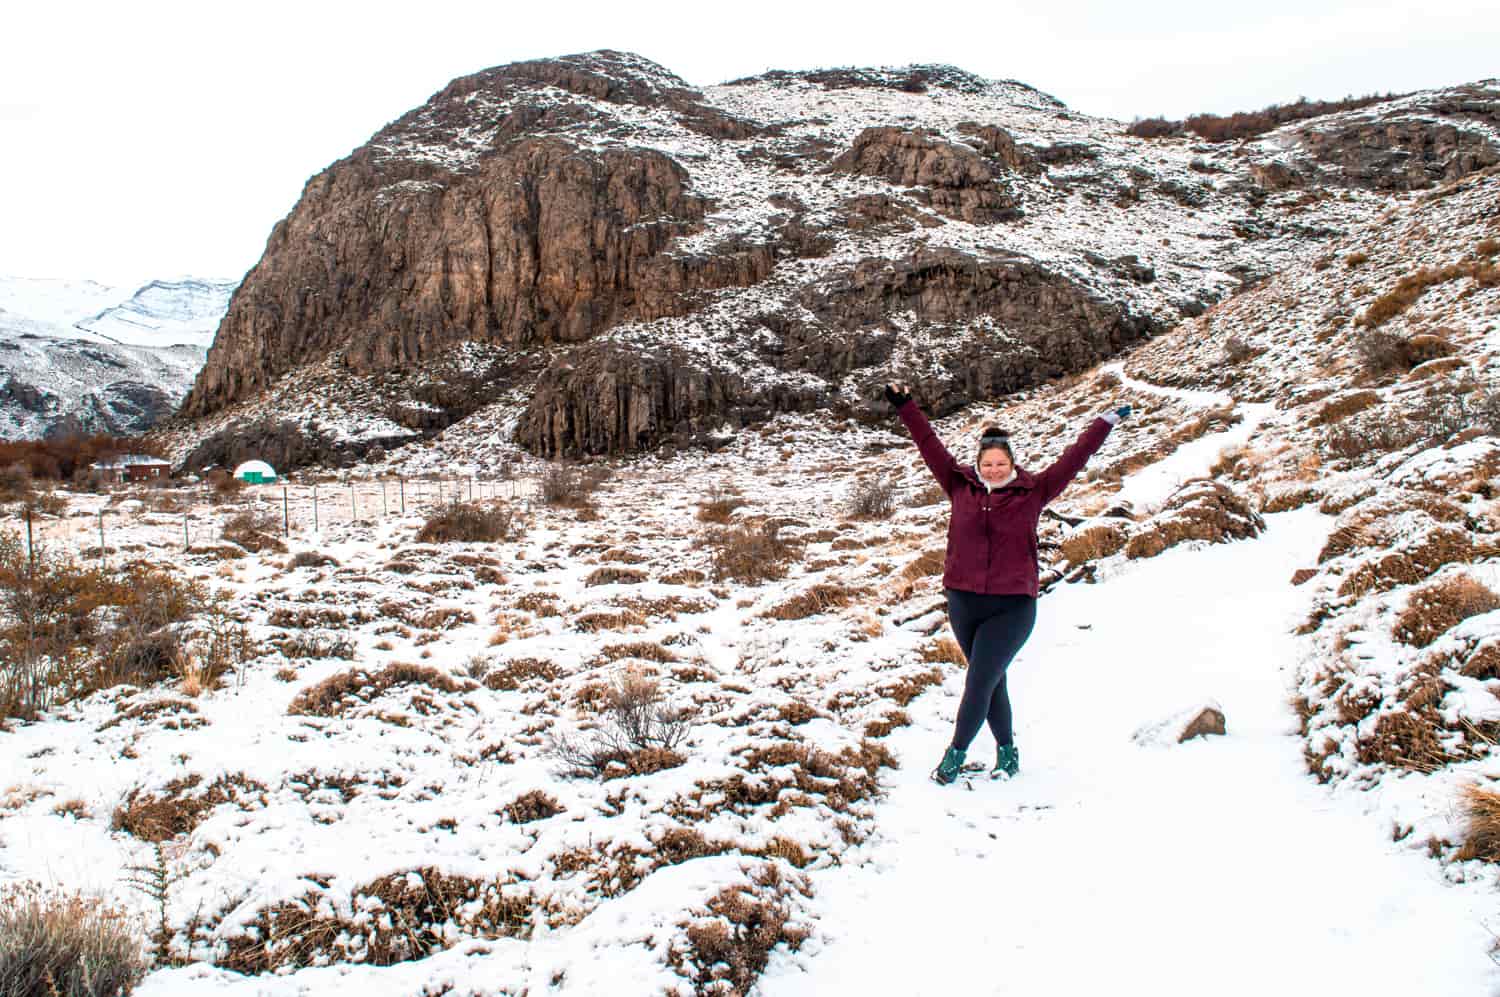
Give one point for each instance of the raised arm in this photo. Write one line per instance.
(939, 461)
(1056, 477)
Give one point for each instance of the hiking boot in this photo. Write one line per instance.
(1007, 762)
(949, 768)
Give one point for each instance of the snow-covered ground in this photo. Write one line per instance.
(1114, 867)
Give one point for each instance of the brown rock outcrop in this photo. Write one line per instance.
(956, 180)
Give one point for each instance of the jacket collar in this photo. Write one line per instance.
(1025, 480)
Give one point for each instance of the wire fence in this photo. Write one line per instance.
(136, 518)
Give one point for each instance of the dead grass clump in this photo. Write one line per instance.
(796, 713)
(318, 646)
(403, 916)
(1410, 287)
(597, 620)
(532, 806)
(944, 650)
(1345, 405)
(642, 649)
(1481, 806)
(175, 811)
(613, 575)
(569, 487)
(1287, 499)
(66, 945)
(1438, 606)
(254, 531)
(751, 553)
(1094, 541)
(1199, 510)
(719, 506)
(873, 498)
(338, 694)
(728, 949)
(929, 562)
(1404, 739)
(538, 604)
(469, 522)
(512, 675)
(639, 733)
(909, 687)
(312, 559)
(684, 576)
(883, 725)
(820, 598)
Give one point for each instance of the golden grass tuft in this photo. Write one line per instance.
(1481, 807)
(1439, 606)
(820, 598)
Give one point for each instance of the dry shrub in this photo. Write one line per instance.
(307, 644)
(469, 522)
(1345, 405)
(929, 562)
(750, 553)
(1248, 124)
(883, 725)
(1199, 510)
(1237, 350)
(1094, 541)
(538, 604)
(684, 576)
(66, 945)
(643, 649)
(639, 733)
(337, 694)
(570, 487)
(728, 949)
(909, 687)
(1438, 606)
(943, 650)
(254, 531)
(175, 811)
(873, 498)
(719, 506)
(514, 674)
(613, 575)
(1404, 739)
(532, 806)
(312, 559)
(820, 598)
(396, 918)
(1287, 499)
(597, 620)
(1481, 807)
(1410, 287)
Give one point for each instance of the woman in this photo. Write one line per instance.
(990, 571)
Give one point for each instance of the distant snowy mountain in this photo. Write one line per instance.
(79, 356)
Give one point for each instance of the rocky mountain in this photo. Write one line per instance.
(79, 356)
(626, 261)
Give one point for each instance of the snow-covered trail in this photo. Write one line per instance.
(1108, 867)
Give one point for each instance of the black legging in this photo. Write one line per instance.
(990, 629)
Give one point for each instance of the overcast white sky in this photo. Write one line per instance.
(157, 138)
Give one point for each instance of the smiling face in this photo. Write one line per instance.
(995, 465)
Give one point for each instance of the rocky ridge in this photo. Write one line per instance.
(651, 263)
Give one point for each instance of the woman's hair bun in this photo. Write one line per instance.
(994, 431)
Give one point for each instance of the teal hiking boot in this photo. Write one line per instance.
(1007, 762)
(949, 768)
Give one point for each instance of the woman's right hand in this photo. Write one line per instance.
(898, 394)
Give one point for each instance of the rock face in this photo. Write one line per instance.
(955, 179)
(659, 262)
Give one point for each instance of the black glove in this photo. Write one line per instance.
(896, 398)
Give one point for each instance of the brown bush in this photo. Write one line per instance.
(569, 487)
(611, 574)
(337, 694)
(469, 522)
(639, 733)
(176, 811)
(514, 674)
(1248, 124)
(727, 952)
(1093, 542)
(820, 598)
(719, 506)
(253, 531)
(1410, 287)
(873, 498)
(66, 944)
(1153, 128)
(883, 725)
(532, 806)
(751, 553)
(405, 915)
(1346, 405)
(1438, 606)
(909, 687)
(1481, 806)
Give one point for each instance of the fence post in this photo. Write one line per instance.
(187, 542)
(403, 494)
(286, 519)
(30, 543)
(315, 508)
(101, 533)
(385, 507)
(353, 510)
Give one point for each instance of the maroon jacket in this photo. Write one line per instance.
(992, 534)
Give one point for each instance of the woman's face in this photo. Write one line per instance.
(995, 465)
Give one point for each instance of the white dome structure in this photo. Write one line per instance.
(255, 472)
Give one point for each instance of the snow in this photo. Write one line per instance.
(1110, 868)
